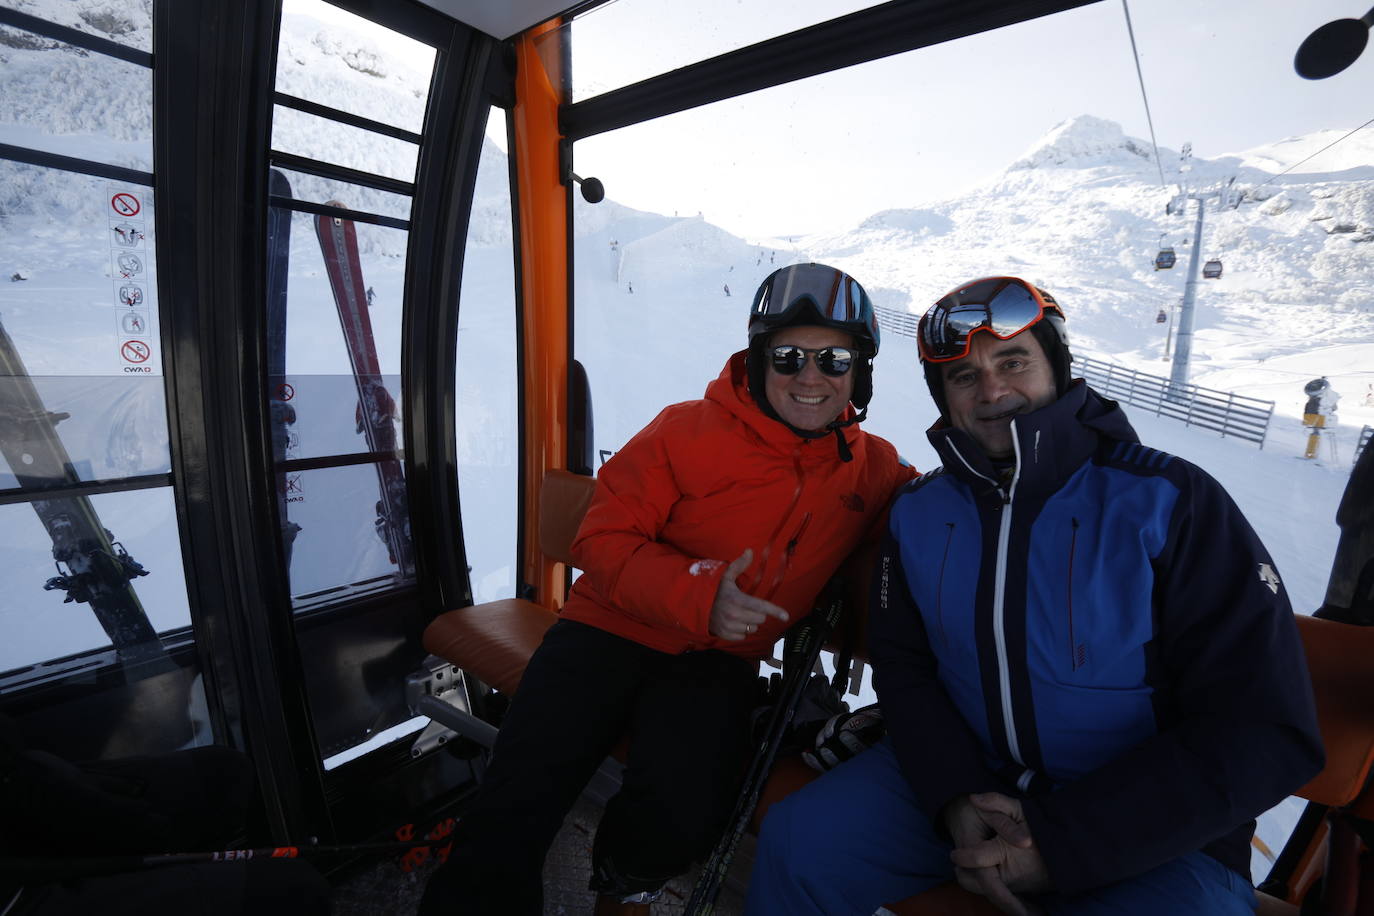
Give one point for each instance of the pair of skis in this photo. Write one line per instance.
(376, 409)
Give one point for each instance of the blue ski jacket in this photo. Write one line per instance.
(1099, 633)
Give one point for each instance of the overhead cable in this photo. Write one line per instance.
(1148, 120)
(1314, 155)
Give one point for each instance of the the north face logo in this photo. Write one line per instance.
(853, 502)
(1269, 577)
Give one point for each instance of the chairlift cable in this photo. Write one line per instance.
(1143, 97)
(1314, 155)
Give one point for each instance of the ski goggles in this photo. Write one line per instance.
(837, 298)
(832, 361)
(1002, 306)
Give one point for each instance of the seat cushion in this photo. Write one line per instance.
(492, 641)
(1338, 659)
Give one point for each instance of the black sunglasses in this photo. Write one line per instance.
(832, 361)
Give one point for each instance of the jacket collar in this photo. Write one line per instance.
(1051, 443)
(730, 389)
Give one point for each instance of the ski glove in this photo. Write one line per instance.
(845, 735)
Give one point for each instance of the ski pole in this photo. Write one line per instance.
(49, 868)
(802, 651)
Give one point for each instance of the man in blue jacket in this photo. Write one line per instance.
(1087, 662)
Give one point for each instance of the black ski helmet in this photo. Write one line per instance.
(816, 295)
(1049, 329)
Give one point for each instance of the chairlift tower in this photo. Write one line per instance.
(1228, 197)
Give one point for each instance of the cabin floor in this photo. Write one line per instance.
(384, 890)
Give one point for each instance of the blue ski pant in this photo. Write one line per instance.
(855, 840)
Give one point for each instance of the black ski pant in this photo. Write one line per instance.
(687, 718)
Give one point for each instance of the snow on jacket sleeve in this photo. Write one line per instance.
(1236, 720)
(938, 753)
(617, 544)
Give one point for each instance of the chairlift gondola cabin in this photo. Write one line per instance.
(1212, 269)
(274, 457)
(1161, 317)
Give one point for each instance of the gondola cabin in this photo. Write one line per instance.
(1212, 269)
(309, 344)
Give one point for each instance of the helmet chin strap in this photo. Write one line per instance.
(835, 426)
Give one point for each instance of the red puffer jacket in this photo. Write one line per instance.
(696, 487)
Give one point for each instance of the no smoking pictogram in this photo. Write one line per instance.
(285, 392)
(135, 351)
(125, 204)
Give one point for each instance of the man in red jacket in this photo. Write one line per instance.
(712, 529)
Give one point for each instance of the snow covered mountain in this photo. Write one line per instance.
(1083, 212)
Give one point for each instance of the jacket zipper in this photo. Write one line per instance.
(787, 552)
(767, 551)
(999, 598)
(801, 529)
(940, 586)
(1073, 542)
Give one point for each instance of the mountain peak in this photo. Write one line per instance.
(1084, 142)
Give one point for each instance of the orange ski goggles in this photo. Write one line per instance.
(1002, 306)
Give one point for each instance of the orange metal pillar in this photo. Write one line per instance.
(543, 204)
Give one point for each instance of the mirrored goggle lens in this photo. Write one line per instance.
(1005, 307)
(832, 361)
(836, 295)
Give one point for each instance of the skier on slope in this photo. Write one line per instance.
(709, 531)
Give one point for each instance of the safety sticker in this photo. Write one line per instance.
(125, 204)
(130, 294)
(128, 266)
(127, 235)
(133, 324)
(135, 351)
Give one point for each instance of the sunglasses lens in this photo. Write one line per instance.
(832, 361)
(788, 360)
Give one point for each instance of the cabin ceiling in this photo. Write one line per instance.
(500, 19)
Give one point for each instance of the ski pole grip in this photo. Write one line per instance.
(809, 636)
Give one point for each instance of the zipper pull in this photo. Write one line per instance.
(792, 544)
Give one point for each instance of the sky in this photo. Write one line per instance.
(928, 124)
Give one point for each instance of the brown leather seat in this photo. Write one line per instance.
(491, 641)
(494, 640)
(1338, 659)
